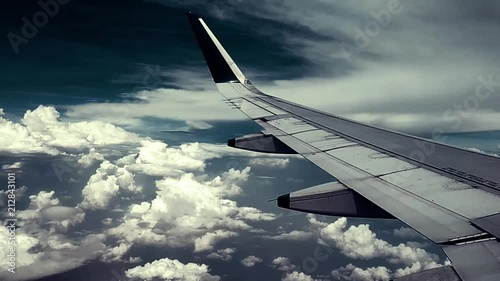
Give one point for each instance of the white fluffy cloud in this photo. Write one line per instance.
(116, 254)
(353, 273)
(89, 159)
(190, 210)
(105, 184)
(297, 276)
(208, 241)
(41, 131)
(283, 264)
(250, 261)
(43, 199)
(359, 242)
(155, 158)
(167, 269)
(37, 202)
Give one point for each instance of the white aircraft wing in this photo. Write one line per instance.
(448, 194)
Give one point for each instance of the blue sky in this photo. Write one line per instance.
(117, 134)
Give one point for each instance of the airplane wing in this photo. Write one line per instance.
(449, 195)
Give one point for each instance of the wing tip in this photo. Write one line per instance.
(218, 64)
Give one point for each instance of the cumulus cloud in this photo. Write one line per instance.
(41, 131)
(155, 158)
(250, 261)
(223, 254)
(43, 199)
(353, 273)
(207, 241)
(89, 159)
(283, 264)
(227, 183)
(359, 242)
(168, 269)
(297, 276)
(105, 184)
(37, 202)
(189, 210)
(116, 254)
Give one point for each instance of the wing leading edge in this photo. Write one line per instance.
(449, 195)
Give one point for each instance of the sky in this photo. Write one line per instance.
(117, 136)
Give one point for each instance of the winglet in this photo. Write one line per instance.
(222, 67)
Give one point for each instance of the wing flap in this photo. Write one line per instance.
(476, 261)
(436, 223)
(490, 224)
